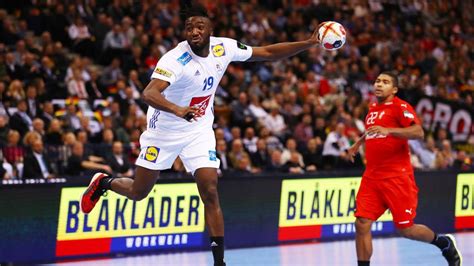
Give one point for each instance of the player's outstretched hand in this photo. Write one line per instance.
(190, 113)
(315, 36)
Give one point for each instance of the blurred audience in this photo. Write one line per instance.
(81, 73)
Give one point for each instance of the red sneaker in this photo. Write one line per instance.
(92, 194)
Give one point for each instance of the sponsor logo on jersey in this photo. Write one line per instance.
(212, 156)
(241, 46)
(185, 58)
(151, 154)
(201, 103)
(407, 114)
(163, 72)
(218, 50)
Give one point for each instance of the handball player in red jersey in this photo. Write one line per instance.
(388, 181)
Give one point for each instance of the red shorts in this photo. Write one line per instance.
(399, 194)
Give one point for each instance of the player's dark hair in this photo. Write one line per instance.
(193, 10)
(393, 76)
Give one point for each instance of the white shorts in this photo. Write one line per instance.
(160, 149)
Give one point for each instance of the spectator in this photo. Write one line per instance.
(38, 127)
(14, 69)
(81, 38)
(250, 140)
(236, 133)
(237, 152)
(294, 165)
(53, 135)
(4, 104)
(20, 120)
(103, 148)
(445, 156)
(76, 85)
(221, 150)
(271, 141)
(275, 164)
(257, 109)
(241, 114)
(303, 131)
(6, 170)
(115, 43)
(71, 121)
(425, 151)
(79, 164)
(244, 166)
(36, 163)
(118, 161)
(135, 83)
(260, 158)
(313, 155)
(111, 74)
(33, 106)
(462, 162)
(93, 87)
(47, 113)
(275, 123)
(4, 129)
(291, 147)
(13, 153)
(335, 147)
(15, 92)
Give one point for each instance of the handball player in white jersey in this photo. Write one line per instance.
(180, 96)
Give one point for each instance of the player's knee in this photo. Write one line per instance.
(138, 195)
(407, 232)
(210, 195)
(363, 225)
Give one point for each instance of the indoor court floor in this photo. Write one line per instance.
(387, 251)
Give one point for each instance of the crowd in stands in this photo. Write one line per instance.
(72, 71)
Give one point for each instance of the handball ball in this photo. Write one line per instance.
(332, 35)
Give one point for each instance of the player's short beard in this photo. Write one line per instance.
(197, 49)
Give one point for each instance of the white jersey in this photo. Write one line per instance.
(193, 82)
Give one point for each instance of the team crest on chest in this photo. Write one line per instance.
(218, 50)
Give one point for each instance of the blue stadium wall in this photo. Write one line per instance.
(42, 222)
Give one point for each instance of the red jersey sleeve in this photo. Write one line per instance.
(407, 115)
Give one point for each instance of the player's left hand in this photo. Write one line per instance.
(351, 153)
(378, 130)
(315, 36)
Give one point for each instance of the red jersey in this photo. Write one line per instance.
(388, 156)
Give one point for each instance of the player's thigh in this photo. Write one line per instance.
(159, 150)
(200, 152)
(369, 203)
(401, 196)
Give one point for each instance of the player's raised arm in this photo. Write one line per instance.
(153, 97)
(282, 50)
